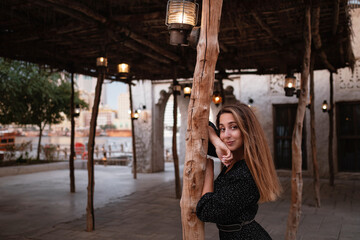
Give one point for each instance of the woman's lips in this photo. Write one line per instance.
(229, 143)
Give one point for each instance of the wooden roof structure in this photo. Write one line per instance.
(266, 36)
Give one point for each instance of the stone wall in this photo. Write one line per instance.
(265, 91)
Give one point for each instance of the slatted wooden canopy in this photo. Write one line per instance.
(266, 36)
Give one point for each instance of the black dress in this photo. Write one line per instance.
(233, 201)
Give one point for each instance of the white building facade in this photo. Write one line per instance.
(276, 113)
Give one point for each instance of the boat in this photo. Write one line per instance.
(7, 139)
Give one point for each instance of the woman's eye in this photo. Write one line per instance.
(234, 127)
(222, 129)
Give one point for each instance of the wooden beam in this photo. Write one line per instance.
(152, 16)
(72, 138)
(316, 176)
(89, 13)
(90, 217)
(296, 176)
(265, 27)
(315, 22)
(198, 119)
(331, 132)
(335, 16)
(149, 44)
(174, 147)
(133, 136)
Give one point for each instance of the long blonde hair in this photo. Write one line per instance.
(256, 151)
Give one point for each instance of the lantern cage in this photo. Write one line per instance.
(181, 17)
(101, 62)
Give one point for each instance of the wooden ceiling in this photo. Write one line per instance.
(266, 36)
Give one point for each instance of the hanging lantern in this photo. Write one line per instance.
(289, 86)
(135, 115)
(181, 17)
(123, 70)
(77, 110)
(324, 106)
(101, 62)
(217, 99)
(176, 87)
(187, 91)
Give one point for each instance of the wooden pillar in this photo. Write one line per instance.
(174, 148)
(313, 135)
(222, 92)
(90, 219)
(133, 133)
(296, 178)
(72, 138)
(331, 131)
(198, 119)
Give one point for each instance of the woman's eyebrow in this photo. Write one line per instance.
(222, 124)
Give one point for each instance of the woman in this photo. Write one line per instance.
(249, 176)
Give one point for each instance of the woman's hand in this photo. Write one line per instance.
(224, 154)
(222, 151)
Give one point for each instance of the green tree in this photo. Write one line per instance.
(33, 95)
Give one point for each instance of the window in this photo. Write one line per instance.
(354, 4)
(348, 136)
(284, 120)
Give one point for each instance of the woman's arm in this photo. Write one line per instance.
(223, 153)
(209, 177)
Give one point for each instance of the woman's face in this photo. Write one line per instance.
(229, 132)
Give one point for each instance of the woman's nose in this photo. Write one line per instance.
(227, 133)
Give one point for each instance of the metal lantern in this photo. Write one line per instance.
(135, 115)
(217, 99)
(101, 62)
(289, 86)
(181, 17)
(250, 102)
(176, 88)
(324, 106)
(187, 91)
(123, 70)
(77, 110)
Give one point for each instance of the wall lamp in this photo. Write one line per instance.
(181, 18)
(289, 86)
(141, 108)
(101, 62)
(135, 115)
(77, 110)
(217, 99)
(324, 106)
(187, 91)
(250, 102)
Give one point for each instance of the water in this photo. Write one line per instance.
(116, 144)
(64, 141)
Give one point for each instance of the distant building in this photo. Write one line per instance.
(123, 117)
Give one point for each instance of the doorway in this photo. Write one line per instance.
(284, 119)
(348, 136)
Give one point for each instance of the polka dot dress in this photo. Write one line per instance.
(233, 201)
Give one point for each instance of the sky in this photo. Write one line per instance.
(113, 90)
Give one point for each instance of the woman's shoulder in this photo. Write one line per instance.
(240, 171)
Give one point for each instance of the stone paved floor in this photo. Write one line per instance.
(149, 210)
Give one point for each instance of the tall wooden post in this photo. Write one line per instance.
(90, 218)
(313, 135)
(174, 148)
(133, 133)
(198, 119)
(296, 178)
(72, 140)
(331, 131)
